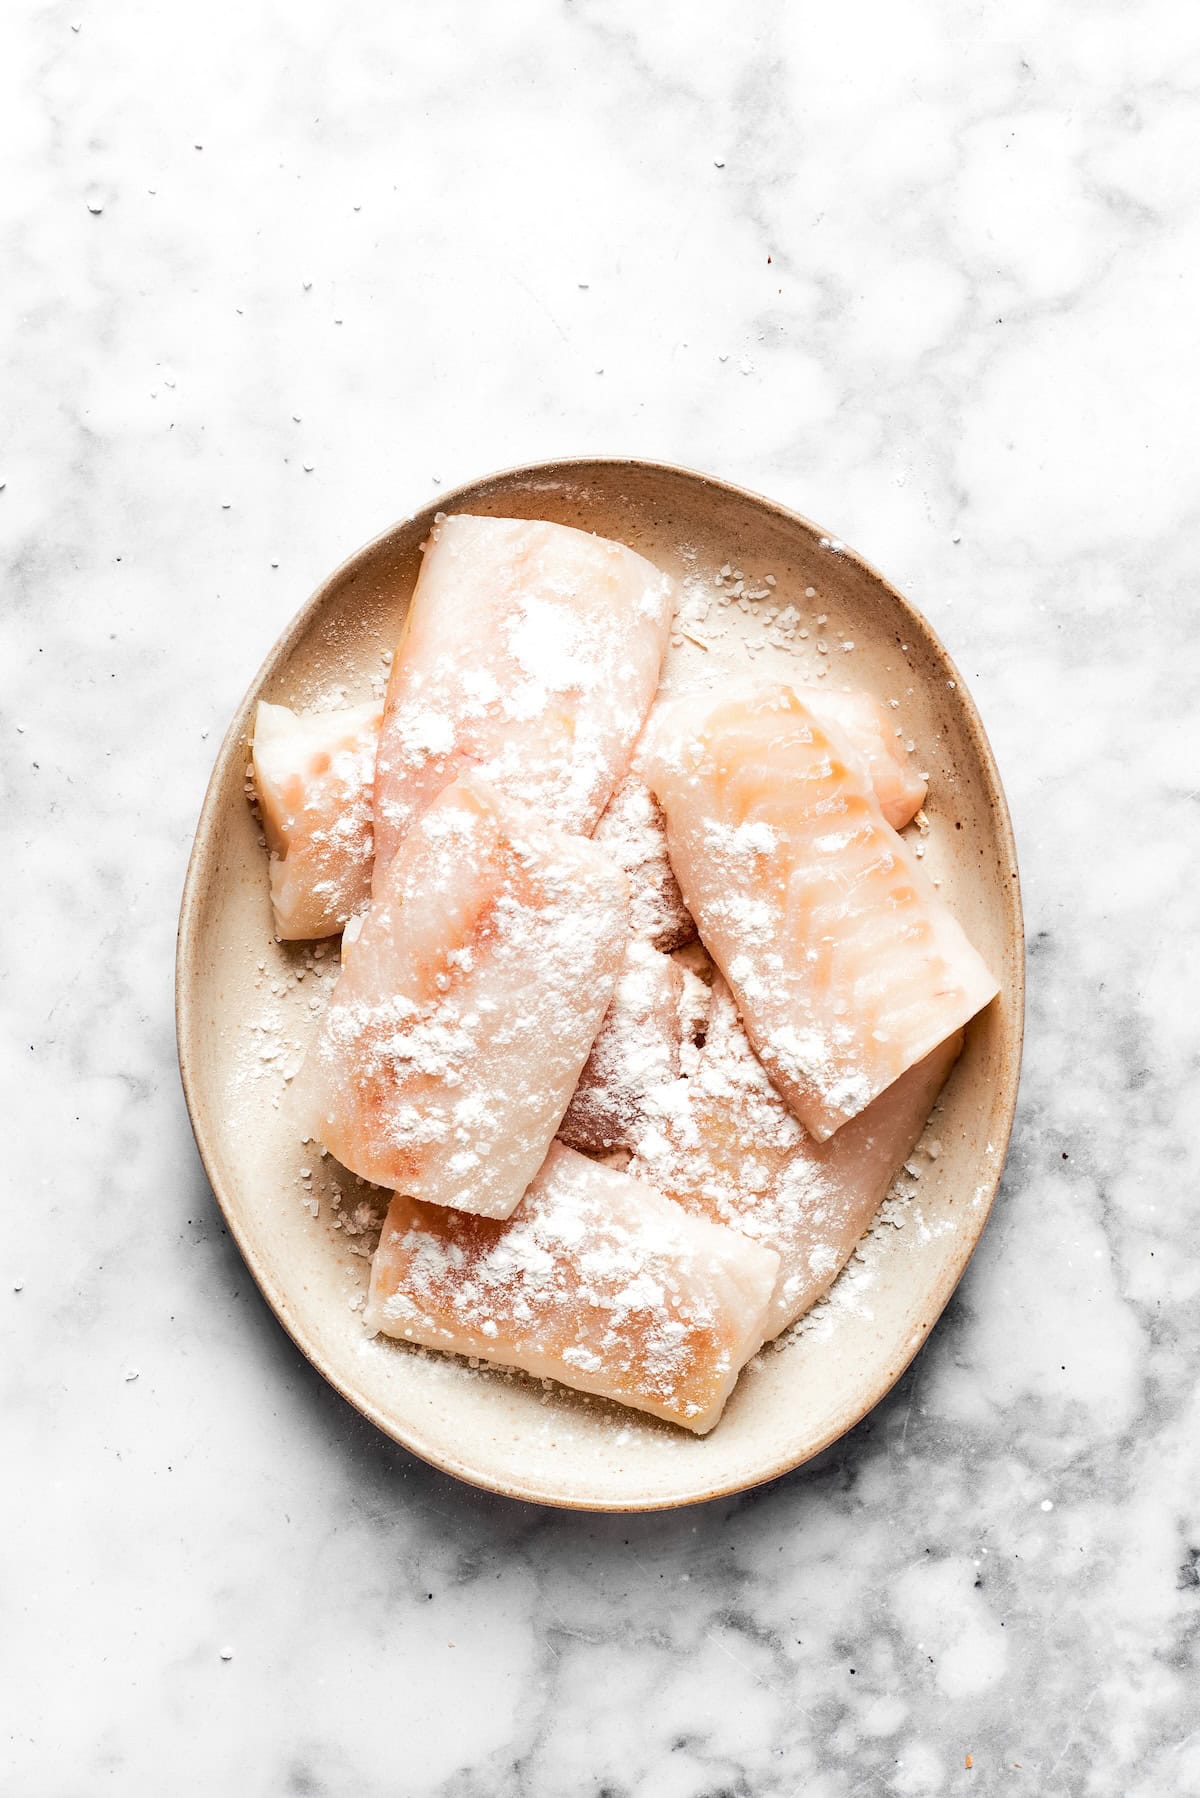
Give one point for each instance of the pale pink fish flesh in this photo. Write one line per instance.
(633, 830)
(531, 651)
(865, 725)
(728, 1148)
(846, 964)
(656, 1014)
(312, 778)
(467, 1004)
(596, 1281)
(861, 719)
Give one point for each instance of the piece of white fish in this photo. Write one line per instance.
(846, 964)
(467, 1004)
(312, 775)
(596, 1281)
(649, 1031)
(727, 1147)
(530, 651)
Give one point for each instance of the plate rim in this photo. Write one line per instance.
(187, 1026)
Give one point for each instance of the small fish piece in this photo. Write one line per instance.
(467, 1004)
(846, 964)
(634, 831)
(596, 1281)
(657, 1011)
(531, 650)
(728, 1148)
(312, 774)
(862, 721)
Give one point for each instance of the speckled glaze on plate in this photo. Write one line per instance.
(498, 1429)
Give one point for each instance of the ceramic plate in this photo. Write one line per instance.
(246, 1007)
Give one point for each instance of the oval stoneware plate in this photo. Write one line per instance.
(246, 1007)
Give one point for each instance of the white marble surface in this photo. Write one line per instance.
(929, 273)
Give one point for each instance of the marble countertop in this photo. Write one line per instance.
(272, 274)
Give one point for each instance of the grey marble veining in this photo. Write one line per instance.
(929, 273)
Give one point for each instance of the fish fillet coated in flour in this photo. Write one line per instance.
(728, 1148)
(634, 833)
(649, 1032)
(846, 964)
(531, 651)
(313, 776)
(467, 1004)
(634, 830)
(595, 1281)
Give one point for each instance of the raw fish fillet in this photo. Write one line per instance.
(530, 650)
(313, 776)
(633, 830)
(728, 1148)
(467, 1003)
(656, 1014)
(859, 717)
(846, 965)
(595, 1281)
(866, 727)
